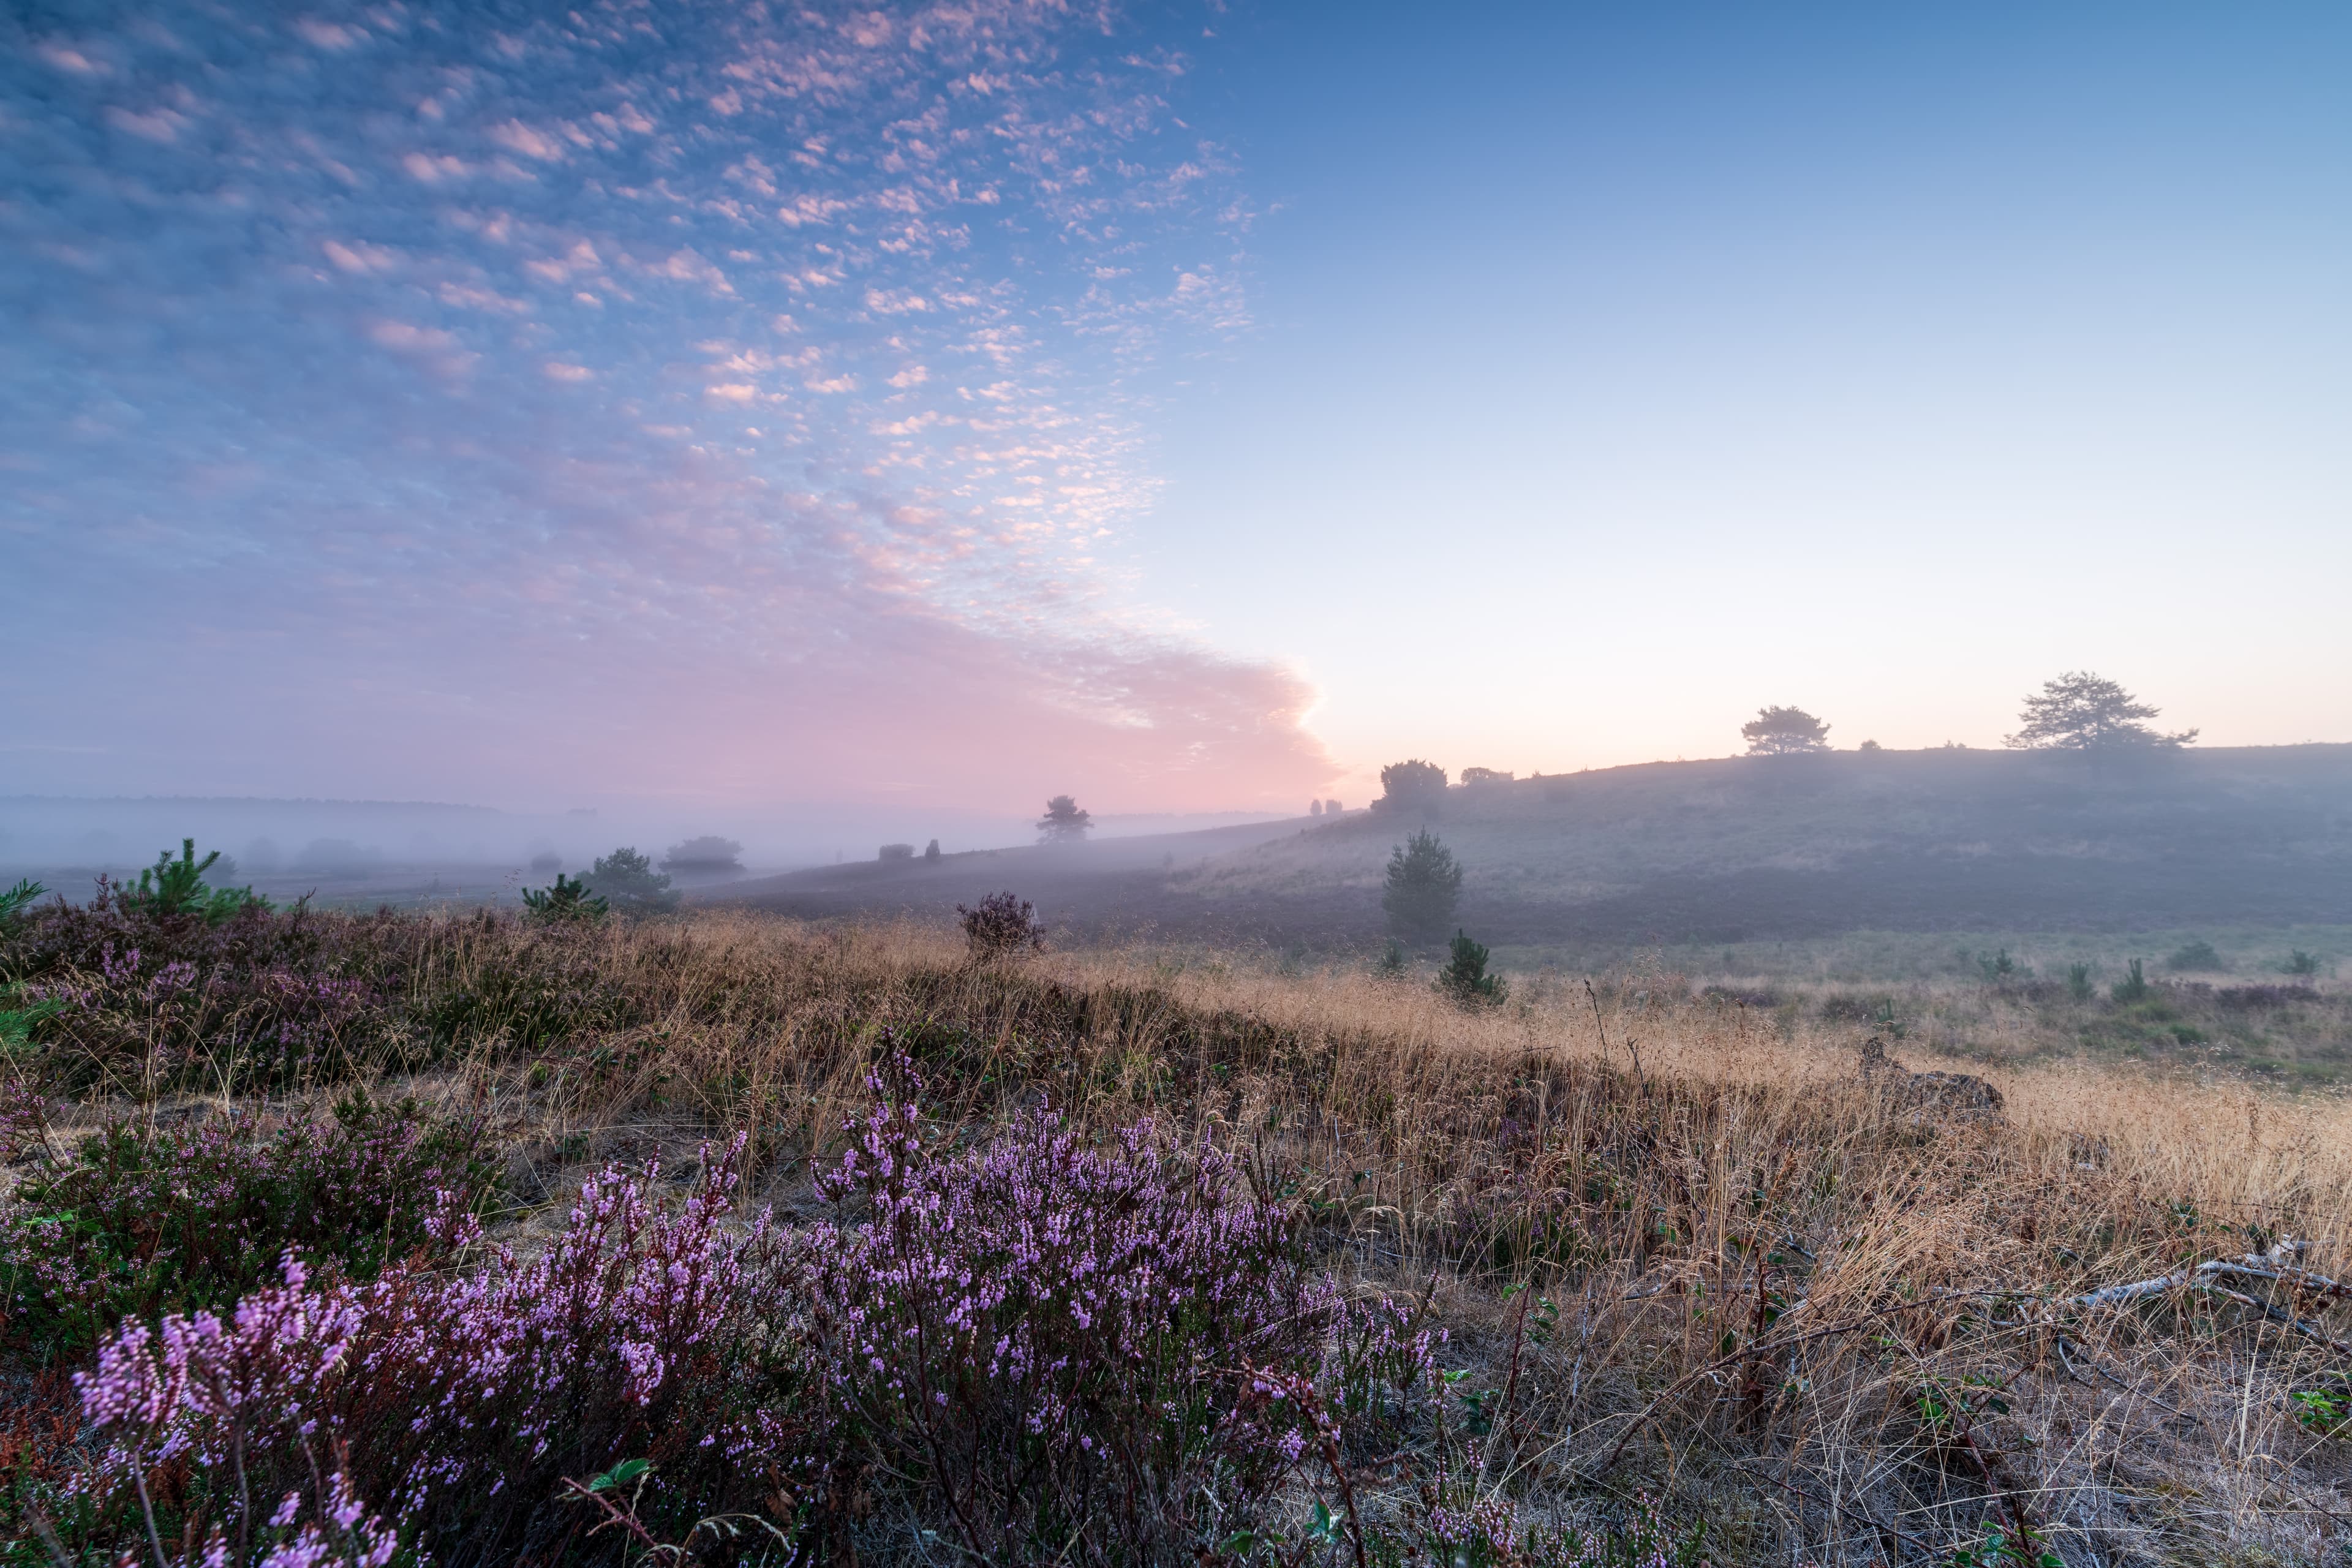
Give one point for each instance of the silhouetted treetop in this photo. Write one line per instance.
(2080, 711)
(1783, 731)
(1064, 823)
(1412, 785)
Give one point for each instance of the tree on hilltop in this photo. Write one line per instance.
(1412, 785)
(2080, 711)
(1064, 823)
(1424, 883)
(1784, 732)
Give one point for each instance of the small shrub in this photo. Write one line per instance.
(627, 880)
(2299, 962)
(1464, 980)
(2078, 982)
(2132, 987)
(2246, 998)
(567, 899)
(1066, 1347)
(1997, 968)
(170, 887)
(896, 852)
(140, 1221)
(705, 856)
(1391, 965)
(1001, 925)
(2197, 956)
(463, 1403)
(1424, 884)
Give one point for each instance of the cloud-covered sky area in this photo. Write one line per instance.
(721, 401)
(1187, 405)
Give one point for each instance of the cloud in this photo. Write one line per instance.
(517, 137)
(482, 315)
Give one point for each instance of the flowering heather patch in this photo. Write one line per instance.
(1057, 1341)
(459, 1404)
(138, 1221)
(137, 1002)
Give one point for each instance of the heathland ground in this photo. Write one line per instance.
(1667, 1273)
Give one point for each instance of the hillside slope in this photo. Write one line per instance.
(1729, 850)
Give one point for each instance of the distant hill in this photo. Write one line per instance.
(1730, 850)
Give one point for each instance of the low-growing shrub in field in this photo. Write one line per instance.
(140, 1221)
(170, 887)
(137, 999)
(1464, 980)
(458, 1404)
(565, 899)
(1001, 925)
(1042, 1349)
(1062, 1345)
(2196, 956)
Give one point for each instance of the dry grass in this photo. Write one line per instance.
(1827, 1324)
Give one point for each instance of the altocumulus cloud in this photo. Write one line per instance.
(710, 401)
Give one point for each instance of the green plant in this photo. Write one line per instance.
(2196, 955)
(2000, 966)
(2322, 1411)
(172, 887)
(1391, 961)
(1424, 883)
(2298, 962)
(2132, 987)
(1465, 980)
(140, 1220)
(568, 900)
(1887, 1024)
(19, 899)
(2078, 982)
(628, 882)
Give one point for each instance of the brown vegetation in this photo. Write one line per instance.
(1683, 1247)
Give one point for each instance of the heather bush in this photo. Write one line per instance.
(137, 999)
(1070, 1352)
(1001, 924)
(463, 1405)
(138, 1221)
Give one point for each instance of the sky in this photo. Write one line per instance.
(1191, 407)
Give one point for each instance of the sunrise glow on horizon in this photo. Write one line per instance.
(1192, 407)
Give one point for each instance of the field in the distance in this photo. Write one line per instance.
(1726, 852)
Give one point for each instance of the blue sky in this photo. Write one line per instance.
(1192, 407)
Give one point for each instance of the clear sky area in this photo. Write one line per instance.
(1190, 407)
